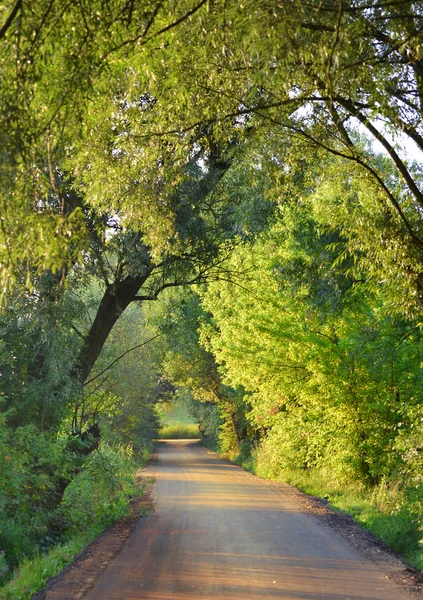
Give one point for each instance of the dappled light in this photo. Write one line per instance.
(225, 534)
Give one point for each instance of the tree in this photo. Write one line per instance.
(193, 371)
(330, 370)
(51, 56)
(298, 72)
(125, 116)
(53, 335)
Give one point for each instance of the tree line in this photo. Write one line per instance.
(211, 200)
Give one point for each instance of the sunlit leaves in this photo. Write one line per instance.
(325, 365)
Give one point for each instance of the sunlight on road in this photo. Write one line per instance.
(219, 532)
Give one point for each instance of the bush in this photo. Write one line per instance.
(96, 497)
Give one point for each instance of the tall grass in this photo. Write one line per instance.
(179, 430)
(33, 574)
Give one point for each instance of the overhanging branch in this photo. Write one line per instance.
(11, 18)
(119, 357)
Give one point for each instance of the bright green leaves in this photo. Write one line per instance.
(325, 366)
(376, 244)
(131, 93)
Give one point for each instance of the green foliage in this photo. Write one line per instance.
(207, 415)
(177, 430)
(33, 466)
(32, 463)
(325, 365)
(100, 493)
(56, 477)
(33, 574)
(176, 421)
(176, 412)
(37, 348)
(149, 146)
(219, 409)
(125, 396)
(116, 99)
(372, 243)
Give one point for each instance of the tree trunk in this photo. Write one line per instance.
(115, 300)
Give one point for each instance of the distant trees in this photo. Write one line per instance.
(157, 146)
(219, 409)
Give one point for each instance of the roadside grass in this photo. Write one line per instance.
(179, 430)
(385, 510)
(32, 574)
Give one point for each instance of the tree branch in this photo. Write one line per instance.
(76, 330)
(355, 158)
(145, 298)
(181, 19)
(119, 357)
(349, 106)
(11, 18)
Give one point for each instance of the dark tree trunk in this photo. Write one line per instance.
(116, 299)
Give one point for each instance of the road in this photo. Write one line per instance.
(219, 532)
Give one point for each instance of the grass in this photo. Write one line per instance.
(34, 574)
(177, 430)
(384, 510)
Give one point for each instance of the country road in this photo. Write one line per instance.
(219, 532)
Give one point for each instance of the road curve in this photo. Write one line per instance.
(219, 532)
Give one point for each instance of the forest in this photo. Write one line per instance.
(216, 203)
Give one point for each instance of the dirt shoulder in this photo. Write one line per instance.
(365, 542)
(80, 576)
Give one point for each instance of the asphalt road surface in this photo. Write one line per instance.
(219, 532)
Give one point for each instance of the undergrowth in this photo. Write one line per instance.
(33, 574)
(97, 498)
(179, 431)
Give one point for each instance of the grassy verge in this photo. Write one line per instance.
(384, 510)
(33, 574)
(179, 430)
(392, 514)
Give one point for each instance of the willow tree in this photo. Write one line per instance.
(319, 76)
(75, 76)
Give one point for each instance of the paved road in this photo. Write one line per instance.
(219, 532)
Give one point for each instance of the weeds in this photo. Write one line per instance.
(179, 431)
(34, 574)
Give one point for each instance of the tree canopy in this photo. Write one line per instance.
(116, 97)
(214, 200)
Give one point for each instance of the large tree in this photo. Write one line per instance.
(118, 94)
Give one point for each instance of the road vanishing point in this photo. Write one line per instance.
(218, 531)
